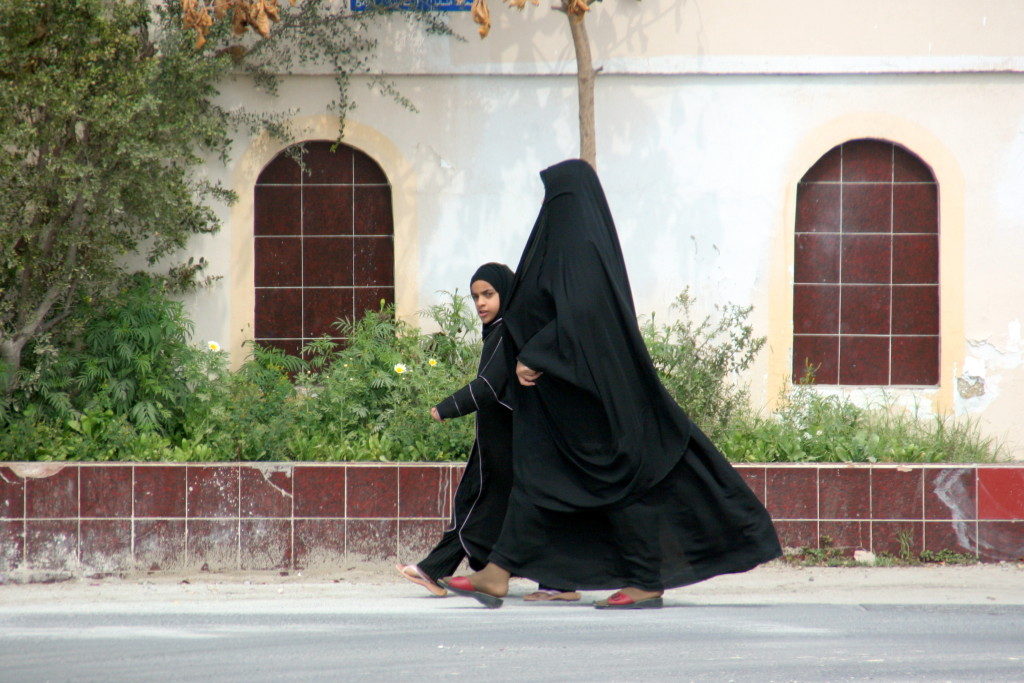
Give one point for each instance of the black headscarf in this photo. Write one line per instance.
(499, 276)
(616, 430)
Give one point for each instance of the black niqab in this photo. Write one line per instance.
(571, 316)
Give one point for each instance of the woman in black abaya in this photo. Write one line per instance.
(613, 486)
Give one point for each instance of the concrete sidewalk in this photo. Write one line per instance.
(379, 589)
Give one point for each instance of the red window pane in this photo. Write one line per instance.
(312, 263)
(866, 268)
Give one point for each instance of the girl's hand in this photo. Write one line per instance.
(436, 415)
(527, 376)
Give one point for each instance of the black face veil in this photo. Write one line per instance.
(615, 430)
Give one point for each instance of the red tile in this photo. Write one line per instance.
(817, 207)
(792, 492)
(374, 261)
(421, 493)
(864, 360)
(367, 170)
(106, 491)
(107, 544)
(327, 210)
(282, 170)
(323, 308)
(417, 537)
(373, 211)
(265, 492)
(915, 361)
(327, 261)
(959, 537)
(797, 534)
(371, 540)
(12, 545)
(950, 493)
(915, 309)
(278, 261)
(319, 491)
(212, 491)
(821, 353)
(1001, 541)
(915, 208)
(277, 211)
(845, 536)
(827, 168)
(159, 544)
(817, 258)
(865, 309)
(867, 208)
(290, 347)
(915, 259)
(319, 543)
(845, 492)
(53, 496)
(213, 543)
(867, 259)
(896, 493)
(889, 537)
(12, 495)
(266, 543)
(326, 162)
(907, 167)
(1001, 493)
(755, 478)
(867, 161)
(455, 473)
(816, 309)
(371, 298)
(372, 491)
(159, 491)
(51, 544)
(279, 313)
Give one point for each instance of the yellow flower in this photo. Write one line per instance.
(431, 362)
(399, 368)
(213, 346)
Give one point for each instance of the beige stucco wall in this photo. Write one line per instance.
(708, 114)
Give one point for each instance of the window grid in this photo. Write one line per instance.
(842, 337)
(294, 304)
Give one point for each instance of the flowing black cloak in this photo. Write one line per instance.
(613, 484)
(482, 497)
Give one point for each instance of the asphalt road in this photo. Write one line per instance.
(772, 624)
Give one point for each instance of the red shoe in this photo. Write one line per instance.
(620, 600)
(461, 585)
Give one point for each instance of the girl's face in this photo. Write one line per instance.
(486, 299)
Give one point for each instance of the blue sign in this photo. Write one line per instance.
(421, 5)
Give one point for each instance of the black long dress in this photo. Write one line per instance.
(482, 496)
(613, 484)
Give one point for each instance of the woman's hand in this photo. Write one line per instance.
(527, 377)
(436, 415)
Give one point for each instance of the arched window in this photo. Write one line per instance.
(866, 268)
(323, 243)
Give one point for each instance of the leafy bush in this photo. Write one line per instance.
(127, 385)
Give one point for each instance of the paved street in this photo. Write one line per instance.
(373, 628)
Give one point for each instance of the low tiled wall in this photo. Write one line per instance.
(98, 517)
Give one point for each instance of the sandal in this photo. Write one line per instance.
(551, 595)
(461, 585)
(420, 579)
(620, 600)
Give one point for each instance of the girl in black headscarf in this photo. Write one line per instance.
(482, 496)
(613, 485)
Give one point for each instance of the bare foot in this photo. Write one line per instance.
(636, 594)
(545, 595)
(492, 580)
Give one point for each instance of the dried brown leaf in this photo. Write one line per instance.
(482, 16)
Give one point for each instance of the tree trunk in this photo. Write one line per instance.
(10, 364)
(585, 77)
